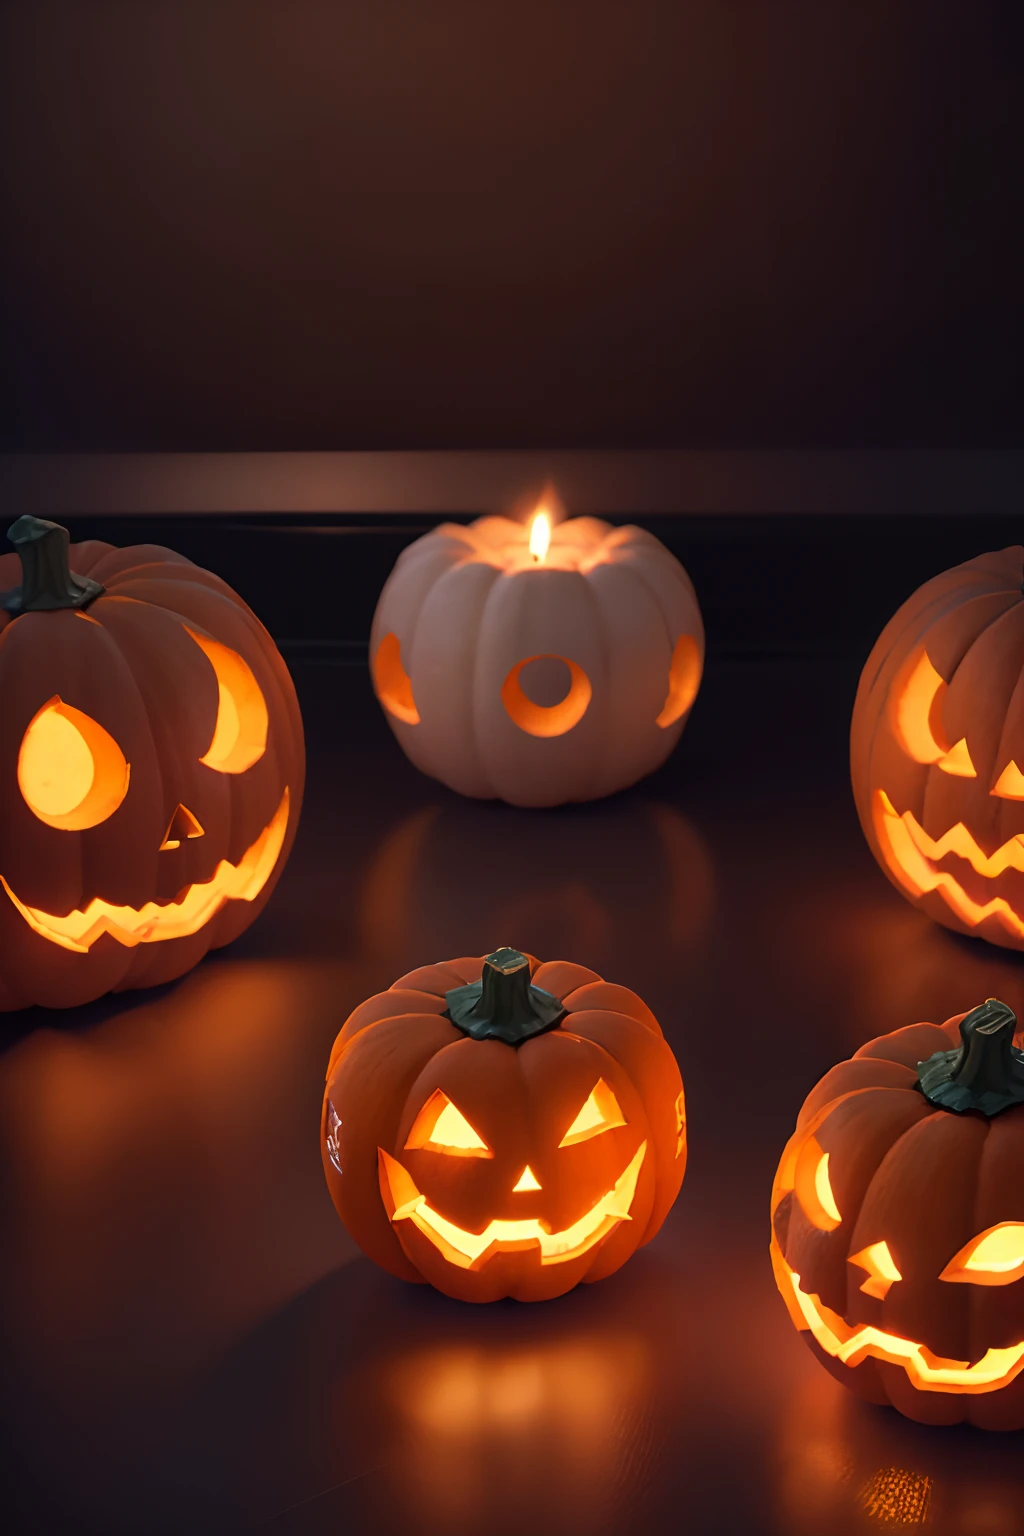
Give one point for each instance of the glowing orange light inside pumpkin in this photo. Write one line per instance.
(911, 855)
(527, 1181)
(683, 681)
(996, 1257)
(197, 904)
(918, 713)
(881, 1269)
(546, 719)
(600, 1113)
(813, 1189)
(71, 772)
(240, 730)
(470, 1250)
(1010, 783)
(540, 534)
(926, 1371)
(441, 1126)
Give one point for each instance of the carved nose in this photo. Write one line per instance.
(182, 825)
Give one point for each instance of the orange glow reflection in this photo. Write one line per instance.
(511, 1428)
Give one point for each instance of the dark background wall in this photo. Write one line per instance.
(461, 223)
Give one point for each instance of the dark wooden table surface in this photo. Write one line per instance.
(190, 1342)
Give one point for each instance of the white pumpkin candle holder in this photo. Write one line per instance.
(537, 662)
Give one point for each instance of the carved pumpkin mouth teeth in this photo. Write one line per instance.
(912, 855)
(471, 1250)
(194, 906)
(852, 1344)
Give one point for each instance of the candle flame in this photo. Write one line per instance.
(540, 533)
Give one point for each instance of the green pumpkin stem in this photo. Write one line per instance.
(504, 1004)
(985, 1072)
(47, 580)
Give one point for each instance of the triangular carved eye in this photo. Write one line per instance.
(600, 1113)
(995, 1257)
(1010, 783)
(441, 1126)
(958, 761)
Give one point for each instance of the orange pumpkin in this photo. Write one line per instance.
(898, 1221)
(937, 748)
(151, 767)
(499, 1127)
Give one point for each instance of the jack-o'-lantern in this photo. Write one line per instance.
(898, 1221)
(537, 669)
(151, 767)
(503, 1128)
(937, 748)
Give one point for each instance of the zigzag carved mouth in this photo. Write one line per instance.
(471, 1250)
(927, 1372)
(912, 856)
(243, 881)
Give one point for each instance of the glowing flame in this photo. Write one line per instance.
(540, 534)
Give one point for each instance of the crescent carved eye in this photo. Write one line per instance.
(240, 732)
(683, 681)
(441, 1126)
(995, 1257)
(71, 772)
(917, 714)
(392, 682)
(600, 1113)
(813, 1189)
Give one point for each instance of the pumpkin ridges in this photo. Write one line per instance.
(909, 1045)
(562, 977)
(940, 1155)
(609, 997)
(853, 1076)
(444, 687)
(652, 1067)
(115, 564)
(541, 1058)
(996, 1310)
(383, 1063)
(438, 979)
(856, 1132)
(396, 1002)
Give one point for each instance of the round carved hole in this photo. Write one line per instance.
(545, 680)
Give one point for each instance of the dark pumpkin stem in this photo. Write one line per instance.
(504, 1004)
(985, 1073)
(47, 580)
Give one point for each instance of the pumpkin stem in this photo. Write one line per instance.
(985, 1072)
(504, 1004)
(47, 581)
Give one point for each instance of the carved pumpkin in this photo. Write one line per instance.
(503, 1128)
(898, 1221)
(937, 748)
(537, 678)
(151, 767)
